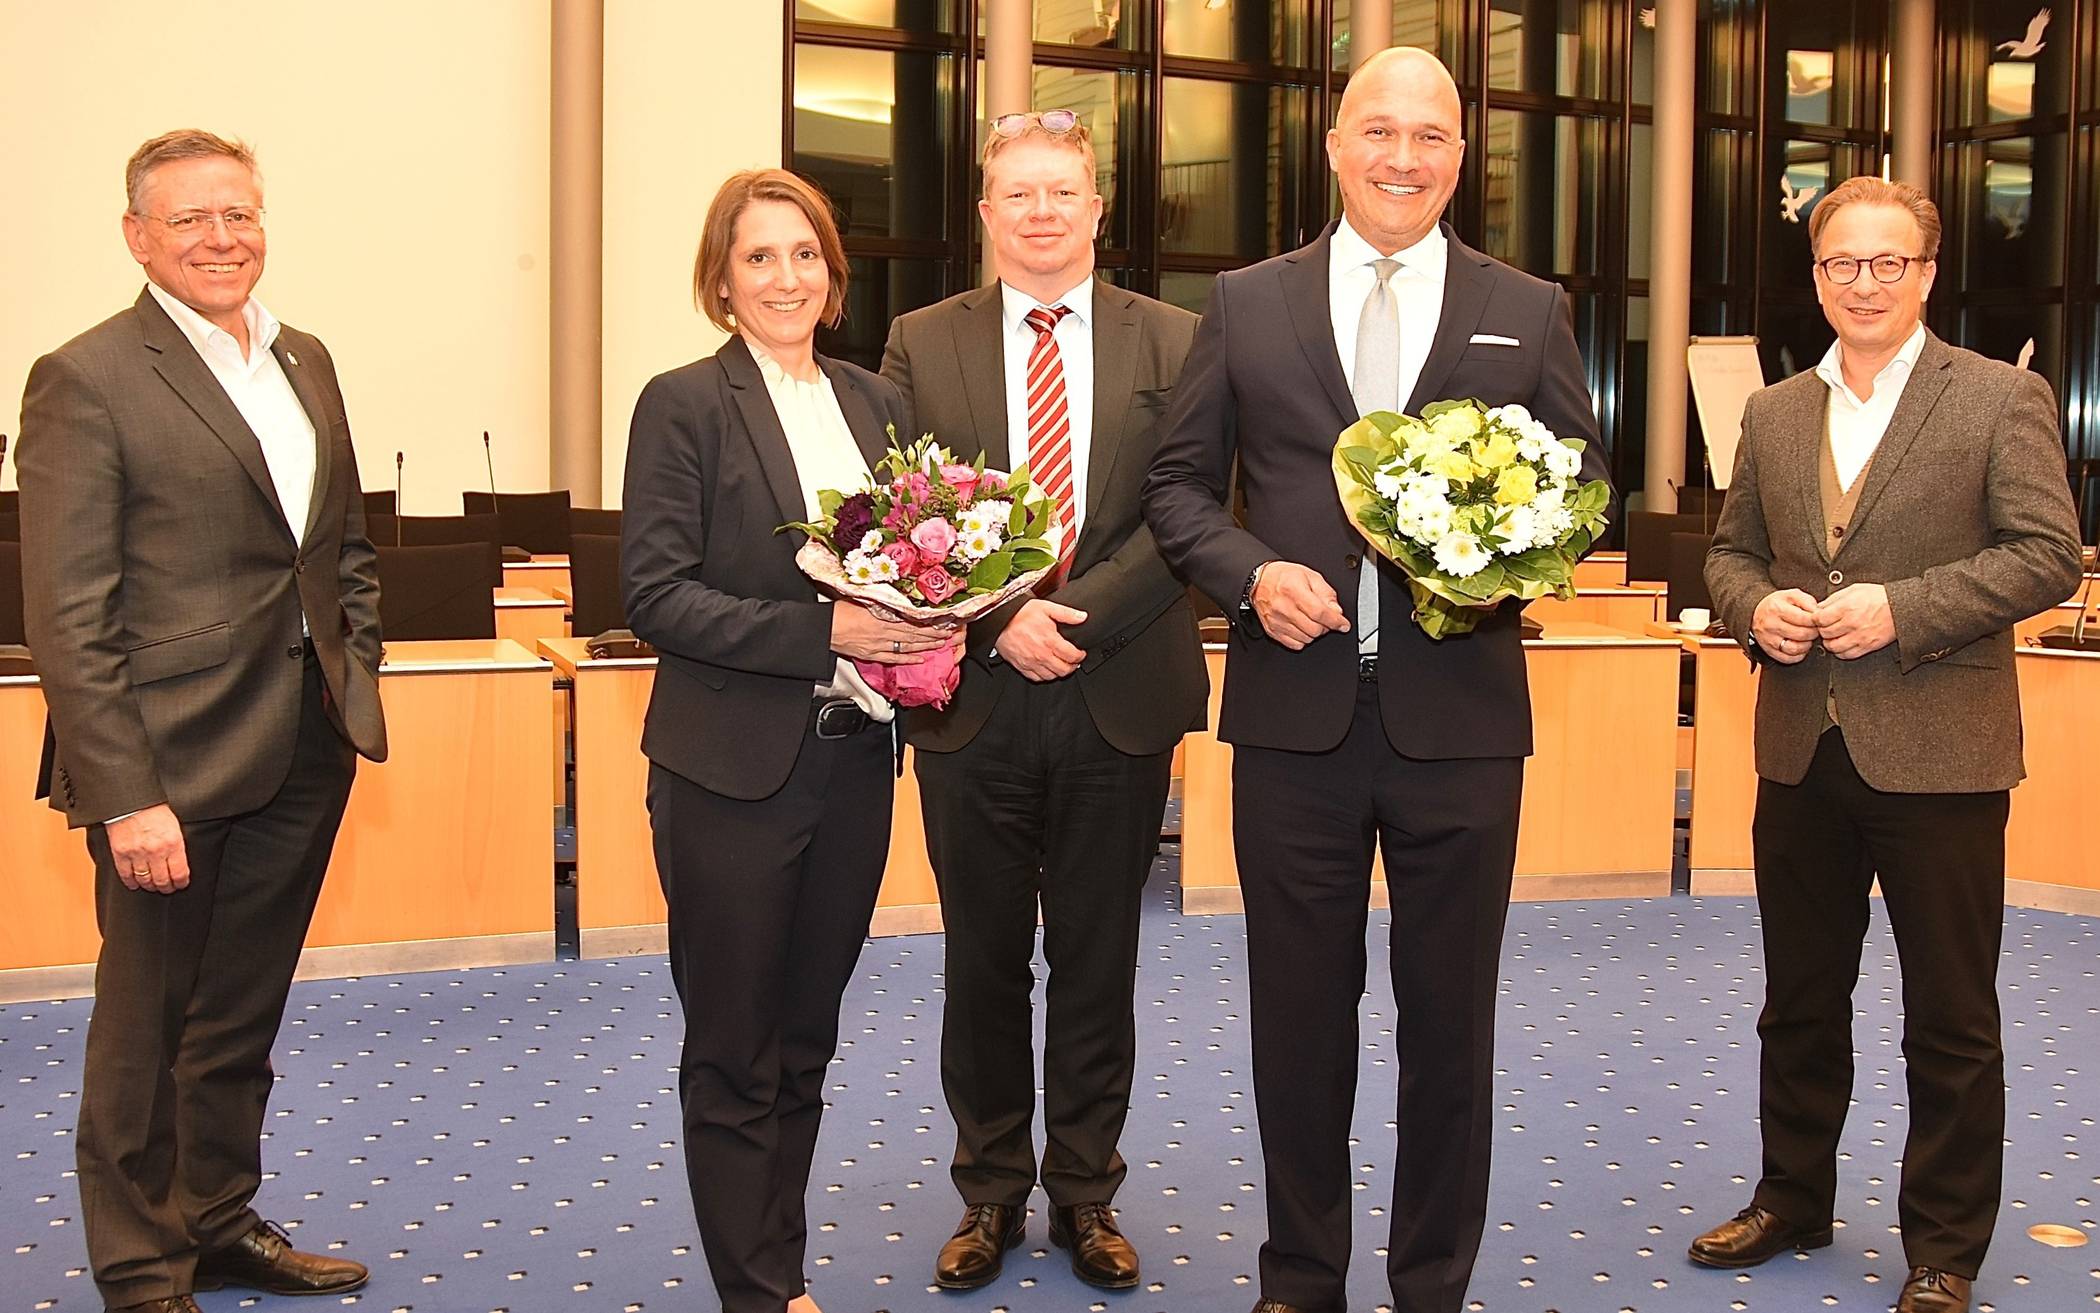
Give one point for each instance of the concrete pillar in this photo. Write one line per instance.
(1370, 29)
(576, 355)
(1009, 56)
(1670, 252)
(1913, 77)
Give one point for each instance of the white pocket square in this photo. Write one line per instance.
(1493, 339)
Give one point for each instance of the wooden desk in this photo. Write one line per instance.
(545, 573)
(445, 857)
(527, 615)
(619, 903)
(2064, 614)
(1724, 769)
(1601, 570)
(1599, 790)
(1628, 610)
(2050, 859)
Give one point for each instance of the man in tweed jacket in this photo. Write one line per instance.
(1893, 512)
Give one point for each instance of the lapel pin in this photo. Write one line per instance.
(289, 356)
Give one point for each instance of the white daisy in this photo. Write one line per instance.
(1460, 555)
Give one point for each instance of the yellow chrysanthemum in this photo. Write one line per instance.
(1517, 485)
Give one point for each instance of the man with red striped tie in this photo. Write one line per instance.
(1044, 779)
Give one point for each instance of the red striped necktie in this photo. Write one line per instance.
(1050, 423)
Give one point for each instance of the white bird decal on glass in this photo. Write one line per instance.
(2030, 45)
(1791, 201)
(2026, 354)
(1648, 17)
(1801, 82)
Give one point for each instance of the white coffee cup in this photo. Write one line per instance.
(1694, 617)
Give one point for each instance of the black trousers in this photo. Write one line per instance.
(189, 991)
(769, 906)
(1304, 825)
(1941, 857)
(1039, 809)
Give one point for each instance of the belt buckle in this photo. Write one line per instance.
(839, 718)
(1367, 668)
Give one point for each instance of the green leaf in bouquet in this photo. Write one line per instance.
(1030, 558)
(1436, 408)
(1591, 496)
(992, 571)
(820, 531)
(829, 500)
(1017, 519)
(1027, 544)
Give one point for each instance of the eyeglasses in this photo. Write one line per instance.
(1056, 122)
(1843, 270)
(243, 219)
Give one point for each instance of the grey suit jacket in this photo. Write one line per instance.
(1965, 517)
(163, 590)
(1143, 679)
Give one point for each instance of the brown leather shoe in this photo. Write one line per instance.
(1931, 1290)
(1751, 1237)
(171, 1304)
(1100, 1255)
(975, 1253)
(264, 1260)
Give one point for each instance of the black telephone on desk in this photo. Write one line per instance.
(618, 644)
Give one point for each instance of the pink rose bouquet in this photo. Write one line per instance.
(931, 541)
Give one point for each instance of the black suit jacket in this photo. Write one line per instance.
(742, 635)
(1143, 679)
(163, 590)
(1265, 390)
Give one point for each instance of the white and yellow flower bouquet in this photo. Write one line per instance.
(1475, 504)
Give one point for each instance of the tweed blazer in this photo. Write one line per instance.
(1965, 517)
(163, 590)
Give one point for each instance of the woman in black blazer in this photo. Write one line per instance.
(771, 762)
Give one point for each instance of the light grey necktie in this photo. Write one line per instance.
(1375, 386)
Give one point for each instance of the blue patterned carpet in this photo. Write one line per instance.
(507, 1139)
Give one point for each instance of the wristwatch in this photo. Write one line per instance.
(1247, 593)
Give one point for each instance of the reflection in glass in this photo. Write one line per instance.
(2007, 332)
(1415, 23)
(1720, 208)
(1544, 189)
(2008, 90)
(1808, 77)
(1640, 195)
(2011, 206)
(1802, 177)
(1250, 31)
(1190, 291)
(1232, 155)
(1096, 23)
(871, 129)
(877, 291)
(1549, 46)
(911, 15)
(1644, 55)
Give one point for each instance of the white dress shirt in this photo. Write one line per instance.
(1418, 294)
(1074, 336)
(825, 456)
(256, 385)
(1856, 427)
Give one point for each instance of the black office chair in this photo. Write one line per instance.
(589, 519)
(381, 503)
(1702, 501)
(10, 527)
(595, 604)
(11, 502)
(1648, 542)
(11, 630)
(535, 521)
(439, 531)
(1686, 575)
(437, 591)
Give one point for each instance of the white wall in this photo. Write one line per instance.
(404, 152)
(692, 94)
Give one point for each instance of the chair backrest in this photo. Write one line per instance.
(438, 531)
(589, 519)
(535, 521)
(437, 591)
(594, 585)
(11, 501)
(1702, 501)
(1686, 576)
(1648, 542)
(11, 593)
(10, 527)
(381, 503)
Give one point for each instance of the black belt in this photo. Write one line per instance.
(1367, 669)
(838, 718)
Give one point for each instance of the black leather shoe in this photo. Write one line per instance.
(1930, 1290)
(1273, 1306)
(1751, 1237)
(975, 1253)
(171, 1304)
(1100, 1255)
(264, 1260)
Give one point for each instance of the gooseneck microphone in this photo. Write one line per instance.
(490, 462)
(399, 459)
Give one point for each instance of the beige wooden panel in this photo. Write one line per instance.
(1724, 770)
(1600, 787)
(1626, 610)
(50, 881)
(2049, 838)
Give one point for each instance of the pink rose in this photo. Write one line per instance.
(991, 485)
(905, 555)
(935, 537)
(936, 585)
(926, 683)
(897, 519)
(921, 486)
(962, 478)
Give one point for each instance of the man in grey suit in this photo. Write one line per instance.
(202, 606)
(1893, 512)
(1351, 728)
(1044, 780)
